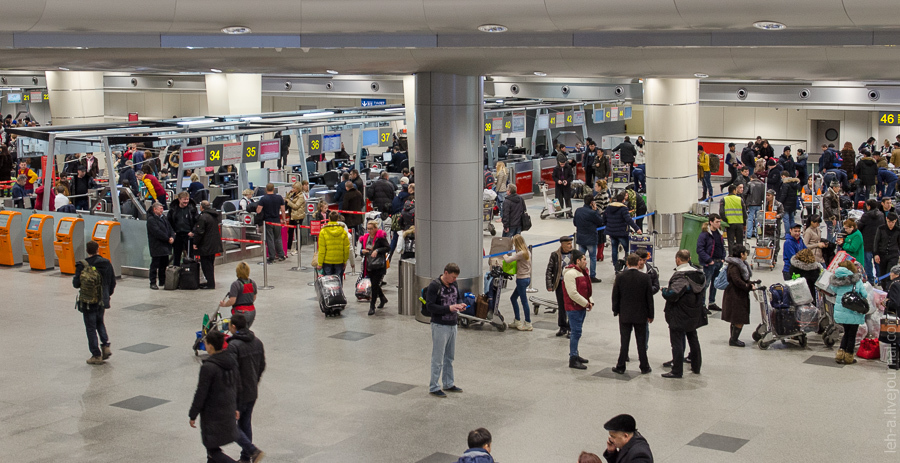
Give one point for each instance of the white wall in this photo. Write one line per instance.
(153, 105)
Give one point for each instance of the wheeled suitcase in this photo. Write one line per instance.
(363, 289)
(784, 321)
(808, 318)
(330, 292)
(799, 291)
(173, 275)
(190, 274)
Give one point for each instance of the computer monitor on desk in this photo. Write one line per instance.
(510, 142)
(387, 156)
(225, 179)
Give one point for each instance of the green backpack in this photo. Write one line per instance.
(91, 289)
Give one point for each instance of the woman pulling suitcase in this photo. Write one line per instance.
(374, 249)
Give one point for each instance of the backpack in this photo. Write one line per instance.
(424, 305)
(713, 163)
(721, 281)
(489, 180)
(91, 290)
(409, 212)
(779, 296)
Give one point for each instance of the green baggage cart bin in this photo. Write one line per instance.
(690, 230)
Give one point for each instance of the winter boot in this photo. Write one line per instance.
(849, 358)
(839, 357)
(600, 251)
(107, 353)
(735, 333)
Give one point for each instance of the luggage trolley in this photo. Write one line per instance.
(475, 315)
(552, 207)
(766, 239)
(777, 324)
(216, 322)
(488, 213)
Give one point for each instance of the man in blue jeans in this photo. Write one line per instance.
(711, 251)
(587, 220)
(443, 302)
(618, 224)
(577, 293)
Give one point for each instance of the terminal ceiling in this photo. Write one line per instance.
(824, 39)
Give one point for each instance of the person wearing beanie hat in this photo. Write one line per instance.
(559, 260)
(625, 444)
(831, 208)
(587, 220)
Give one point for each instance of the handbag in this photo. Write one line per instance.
(890, 329)
(526, 221)
(376, 263)
(853, 301)
(510, 268)
(704, 319)
(869, 349)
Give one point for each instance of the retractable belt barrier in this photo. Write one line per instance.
(499, 254)
(233, 240)
(285, 225)
(351, 212)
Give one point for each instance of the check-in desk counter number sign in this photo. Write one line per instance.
(108, 235)
(39, 235)
(69, 244)
(11, 238)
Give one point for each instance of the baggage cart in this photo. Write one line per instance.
(488, 216)
(777, 324)
(537, 302)
(216, 322)
(765, 251)
(552, 207)
(496, 279)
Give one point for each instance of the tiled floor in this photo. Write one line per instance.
(323, 399)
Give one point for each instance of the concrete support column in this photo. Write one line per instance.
(447, 124)
(76, 97)
(409, 101)
(233, 94)
(671, 127)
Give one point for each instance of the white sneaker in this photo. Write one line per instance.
(516, 324)
(525, 327)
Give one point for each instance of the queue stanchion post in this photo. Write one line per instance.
(265, 262)
(314, 227)
(530, 289)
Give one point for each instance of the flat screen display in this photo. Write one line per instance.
(13, 97)
(64, 227)
(388, 156)
(331, 142)
(4, 219)
(370, 137)
(100, 231)
(34, 223)
(542, 122)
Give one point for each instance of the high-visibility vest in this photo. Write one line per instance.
(733, 211)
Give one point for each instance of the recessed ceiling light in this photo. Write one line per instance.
(236, 30)
(493, 28)
(701, 76)
(332, 72)
(539, 73)
(769, 25)
(63, 69)
(215, 70)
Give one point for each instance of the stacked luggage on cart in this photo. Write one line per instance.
(786, 310)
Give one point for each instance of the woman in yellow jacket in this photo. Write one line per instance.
(334, 246)
(703, 171)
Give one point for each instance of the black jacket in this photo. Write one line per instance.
(788, 165)
(128, 174)
(887, 242)
(182, 219)
(107, 278)
(513, 210)
(773, 178)
(250, 355)
(381, 193)
(867, 170)
(159, 230)
(618, 220)
(683, 299)
(626, 152)
(637, 450)
(586, 222)
(563, 173)
(206, 233)
(80, 186)
(632, 296)
(440, 313)
(353, 201)
(787, 196)
(868, 225)
(215, 400)
(383, 246)
(748, 157)
(553, 275)
(602, 166)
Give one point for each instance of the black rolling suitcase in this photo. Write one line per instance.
(190, 274)
(330, 292)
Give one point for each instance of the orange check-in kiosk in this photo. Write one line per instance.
(108, 234)
(11, 236)
(39, 235)
(69, 244)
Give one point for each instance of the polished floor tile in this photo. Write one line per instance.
(390, 388)
(439, 458)
(609, 374)
(351, 336)
(143, 307)
(823, 361)
(144, 348)
(717, 442)
(140, 403)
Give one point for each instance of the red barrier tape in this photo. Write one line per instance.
(351, 212)
(280, 225)
(242, 241)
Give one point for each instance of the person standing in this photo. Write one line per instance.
(559, 260)
(845, 280)
(812, 238)
(736, 301)
(512, 212)
(734, 214)
(502, 184)
(852, 242)
(618, 225)
(160, 237)
(208, 242)
(353, 202)
(250, 354)
(381, 193)
(563, 176)
(334, 246)
(632, 302)
(625, 444)
(684, 311)
(215, 400)
(793, 243)
(787, 195)
(374, 250)
(887, 246)
(183, 217)
(703, 170)
(587, 220)
(831, 209)
(96, 281)
(522, 258)
(81, 185)
(296, 200)
(601, 200)
(754, 195)
(241, 295)
(732, 161)
(444, 302)
(868, 226)
(577, 293)
(271, 206)
(602, 166)
(627, 152)
(711, 251)
(867, 171)
(590, 157)
(155, 189)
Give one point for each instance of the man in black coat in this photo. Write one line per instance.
(93, 312)
(160, 237)
(250, 354)
(587, 220)
(215, 399)
(684, 310)
(627, 152)
(208, 242)
(563, 176)
(513, 210)
(625, 443)
(81, 184)
(632, 302)
(381, 193)
(182, 216)
(353, 201)
(127, 173)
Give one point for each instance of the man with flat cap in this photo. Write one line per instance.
(625, 444)
(559, 260)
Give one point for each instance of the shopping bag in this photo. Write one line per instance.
(890, 328)
(869, 349)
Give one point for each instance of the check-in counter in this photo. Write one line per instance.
(524, 178)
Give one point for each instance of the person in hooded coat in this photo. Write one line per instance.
(208, 242)
(736, 301)
(684, 312)
(847, 278)
(215, 399)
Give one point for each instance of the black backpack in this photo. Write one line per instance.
(423, 303)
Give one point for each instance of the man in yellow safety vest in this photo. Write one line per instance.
(734, 213)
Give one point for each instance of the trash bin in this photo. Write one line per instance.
(410, 291)
(690, 231)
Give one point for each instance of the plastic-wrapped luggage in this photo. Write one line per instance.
(807, 318)
(330, 292)
(799, 291)
(784, 321)
(363, 289)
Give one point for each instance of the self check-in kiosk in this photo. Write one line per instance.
(108, 235)
(69, 244)
(11, 238)
(39, 235)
